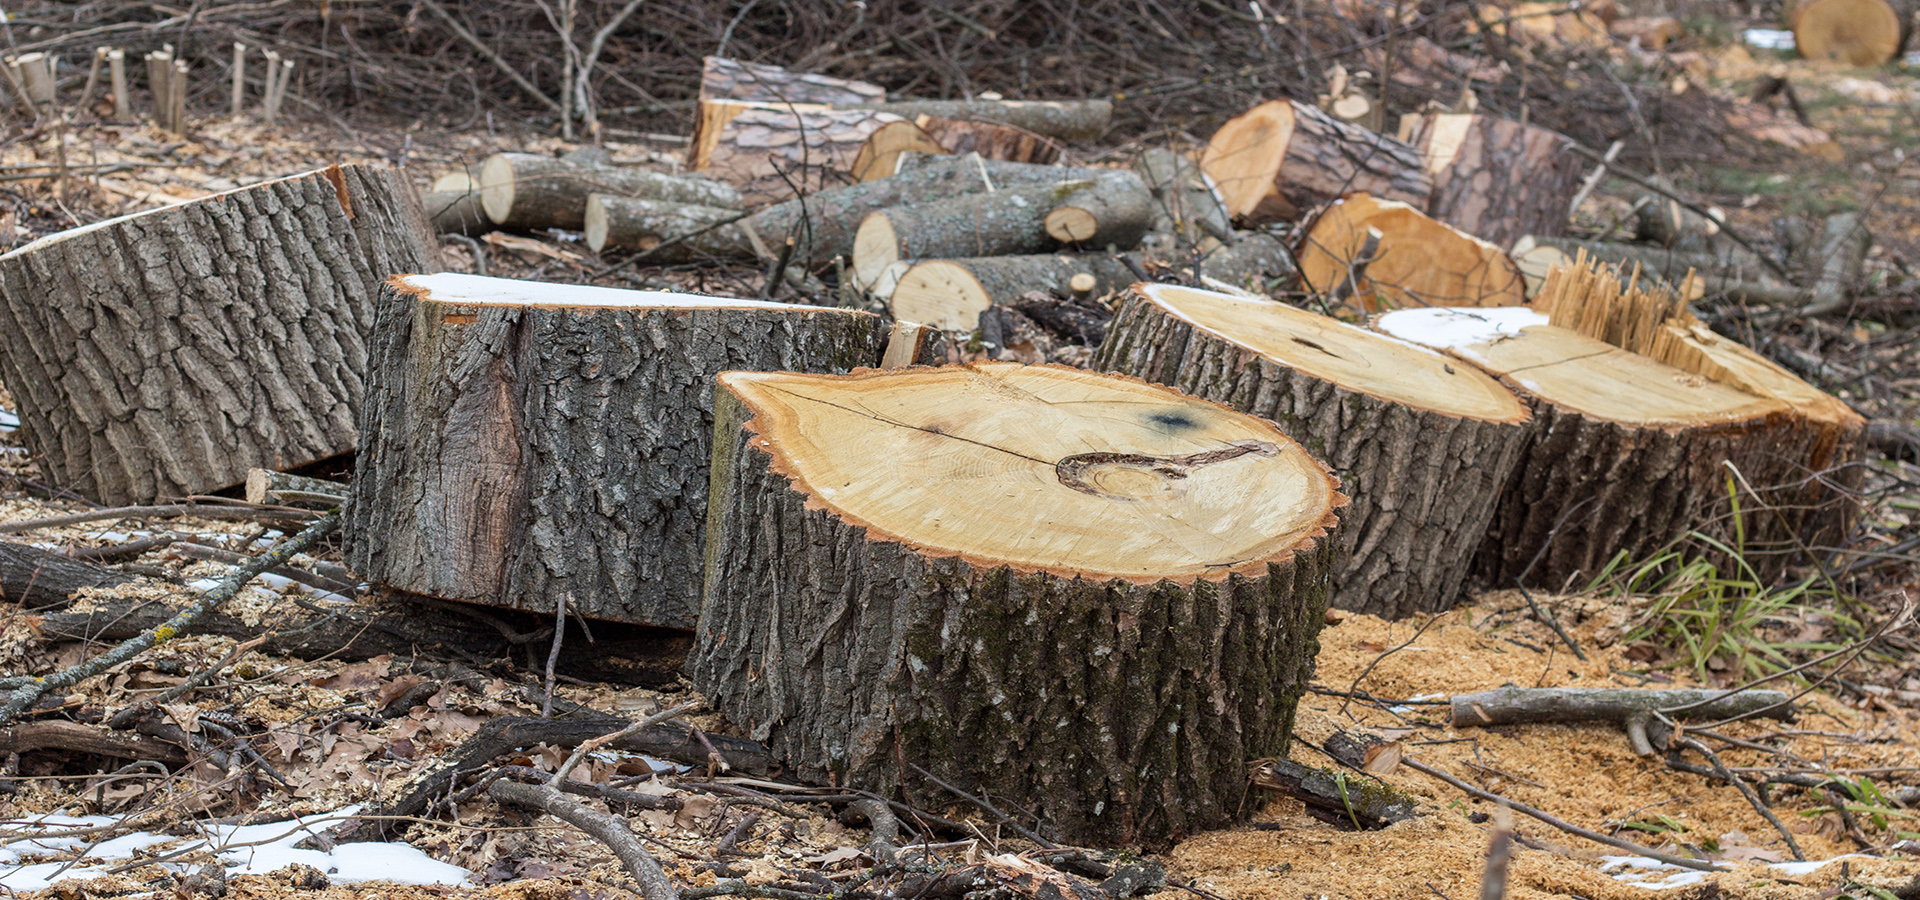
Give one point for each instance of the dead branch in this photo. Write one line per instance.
(56, 734)
(610, 830)
(167, 511)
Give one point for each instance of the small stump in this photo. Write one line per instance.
(526, 442)
(1090, 596)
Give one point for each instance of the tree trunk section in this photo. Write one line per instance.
(698, 232)
(1186, 204)
(1627, 454)
(1414, 261)
(166, 353)
(731, 79)
(1108, 677)
(453, 206)
(1105, 213)
(527, 442)
(527, 190)
(34, 578)
(1423, 447)
(1063, 120)
(1256, 262)
(772, 153)
(1497, 180)
(1012, 220)
(1855, 32)
(881, 155)
(1280, 159)
(951, 293)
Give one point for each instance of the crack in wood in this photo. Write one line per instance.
(1075, 471)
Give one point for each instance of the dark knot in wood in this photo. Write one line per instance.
(1082, 471)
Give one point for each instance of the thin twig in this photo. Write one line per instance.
(592, 744)
(501, 64)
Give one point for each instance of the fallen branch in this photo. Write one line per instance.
(1367, 802)
(168, 511)
(1627, 707)
(610, 830)
(56, 734)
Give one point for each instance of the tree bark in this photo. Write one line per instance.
(1627, 454)
(1282, 158)
(1012, 220)
(730, 79)
(773, 153)
(1110, 680)
(1423, 447)
(1255, 262)
(165, 353)
(1065, 120)
(951, 293)
(633, 223)
(1186, 204)
(1494, 179)
(527, 190)
(1415, 261)
(34, 578)
(1110, 213)
(527, 442)
(1516, 705)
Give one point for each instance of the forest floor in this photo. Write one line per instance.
(1861, 725)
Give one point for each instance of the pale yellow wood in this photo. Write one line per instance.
(940, 293)
(1044, 468)
(1444, 141)
(1418, 262)
(876, 247)
(1353, 358)
(880, 156)
(1245, 155)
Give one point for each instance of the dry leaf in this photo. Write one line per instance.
(1382, 759)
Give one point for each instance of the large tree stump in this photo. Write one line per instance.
(165, 353)
(528, 190)
(1628, 454)
(1423, 446)
(772, 153)
(1282, 158)
(529, 442)
(1494, 179)
(1388, 255)
(1092, 597)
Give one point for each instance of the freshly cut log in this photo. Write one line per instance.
(1186, 204)
(774, 153)
(1065, 120)
(166, 353)
(951, 293)
(528, 190)
(1111, 590)
(823, 224)
(629, 223)
(880, 156)
(1855, 32)
(1495, 179)
(525, 443)
(1111, 209)
(1627, 454)
(926, 134)
(1423, 446)
(1281, 158)
(454, 205)
(1653, 32)
(730, 79)
(1414, 261)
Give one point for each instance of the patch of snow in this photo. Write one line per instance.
(478, 290)
(1646, 872)
(1445, 328)
(1768, 38)
(9, 420)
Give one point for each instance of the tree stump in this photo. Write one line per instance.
(527, 442)
(1281, 158)
(1855, 32)
(166, 353)
(1388, 255)
(1090, 596)
(1494, 179)
(731, 79)
(1424, 447)
(528, 190)
(1627, 455)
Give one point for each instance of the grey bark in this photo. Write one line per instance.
(527, 190)
(1252, 262)
(33, 578)
(515, 455)
(697, 232)
(1067, 120)
(456, 212)
(609, 829)
(1185, 202)
(164, 354)
(1005, 222)
(1118, 204)
(1515, 705)
(1424, 484)
(1117, 713)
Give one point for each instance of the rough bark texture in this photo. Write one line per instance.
(527, 190)
(1251, 263)
(1517, 705)
(1066, 120)
(856, 659)
(1424, 483)
(774, 154)
(514, 455)
(1005, 222)
(951, 293)
(991, 140)
(1495, 179)
(731, 79)
(1112, 212)
(631, 223)
(33, 578)
(1320, 158)
(1186, 205)
(166, 353)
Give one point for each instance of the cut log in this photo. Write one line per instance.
(1628, 454)
(880, 156)
(1109, 210)
(698, 232)
(1110, 589)
(1415, 261)
(1186, 204)
(951, 293)
(926, 134)
(165, 353)
(1726, 269)
(35, 579)
(1423, 446)
(731, 79)
(1855, 32)
(1064, 120)
(1282, 158)
(773, 153)
(1494, 179)
(525, 442)
(454, 205)
(1653, 32)
(1665, 222)
(527, 190)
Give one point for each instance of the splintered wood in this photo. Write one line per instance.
(1590, 298)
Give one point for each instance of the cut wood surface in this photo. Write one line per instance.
(773, 153)
(528, 190)
(1423, 445)
(1855, 32)
(631, 223)
(1415, 261)
(526, 442)
(1496, 179)
(880, 156)
(1030, 519)
(927, 134)
(951, 293)
(730, 79)
(1282, 158)
(454, 205)
(1627, 454)
(1110, 212)
(165, 353)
